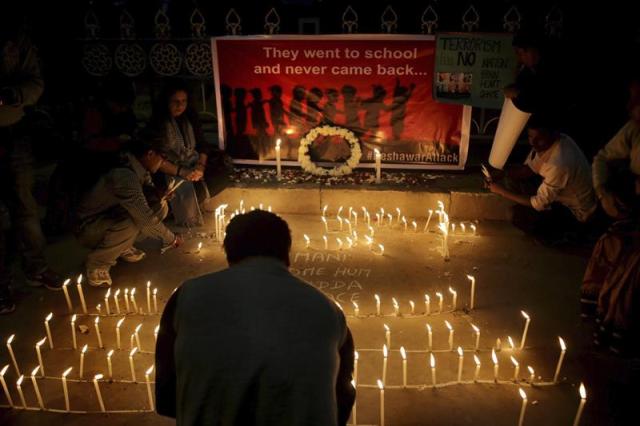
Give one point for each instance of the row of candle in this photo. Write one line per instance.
(130, 302)
(65, 389)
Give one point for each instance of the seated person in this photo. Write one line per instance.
(230, 352)
(564, 200)
(177, 121)
(117, 209)
(623, 149)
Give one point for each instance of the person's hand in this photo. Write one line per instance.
(195, 175)
(609, 204)
(510, 92)
(495, 188)
(178, 241)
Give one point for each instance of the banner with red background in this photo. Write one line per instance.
(378, 86)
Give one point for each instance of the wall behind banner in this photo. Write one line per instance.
(380, 87)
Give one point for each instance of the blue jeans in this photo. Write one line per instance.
(16, 175)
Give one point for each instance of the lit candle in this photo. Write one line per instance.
(36, 388)
(98, 334)
(96, 378)
(326, 226)
(403, 353)
(472, 279)
(131, 364)
(445, 245)
(348, 222)
(278, 162)
(498, 344)
(563, 350)
(99, 308)
(66, 294)
(73, 332)
(378, 219)
(126, 300)
(339, 241)
(450, 334)
(356, 310)
(147, 375)
(583, 400)
(12, 355)
(4, 385)
(81, 293)
(349, 242)
(326, 242)
(339, 219)
(137, 334)
(324, 210)
(526, 328)
(494, 358)
(396, 306)
(432, 361)
(133, 300)
(377, 304)
(473, 228)
(390, 217)
(65, 389)
(460, 361)
(440, 301)
(307, 241)
(84, 350)
(516, 369)
(200, 243)
(463, 228)
(385, 354)
(155, 300)
(476, 330)
(19, 386)
(404, 222)
(381, 387)
(387, 335)
(453, 228)
(412, 305)
(355, 219)
(426, 225)
(107, 306)
(398, 212)
(109, 366)
(454, 298)
(381, 247)
(512, 345)
(149, 295)
(115, 298)
(378, 157)
(524, 406)
(39, 354)
(356, 356)
(155, 333)
(532, 375)
(131, 339)
(427, 305)
(118, 324)
(371, 231)
(477, 372)
(48, 329)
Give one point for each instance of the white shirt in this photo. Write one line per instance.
(567, 178)
(624, 145)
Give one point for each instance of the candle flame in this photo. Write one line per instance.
(525, 315)
(380, 384)
(448, 325)
(403, 353)
(427, 298)
(395, 302)
(562, 345)
(133, 352)
(386, 327)
(73, 318)
(439, 295)
(377, 151)
(66, 282)
(117, 293)
(476, 359)
(10, 339)
(48, 318)
(355, 305)
(514, 361)
(138, 327)
(511, 342)
(110, 353)
(19, 381)
(278, 142)
(79, 279)
(199, 248)
(41, 342)
(306, 237)
(98, 377)
(35, 371)
(429, 328)
(531, 371)
(413, 305)
(66, 372)
(4, 370)
(460, 353)
(133, 292)
(119, 323)
(149, 370)
(126, 291)
(106, 296)
(155, 330)
(97, 320)
(452, 291)
(471, 277)
(356, 355)
(353, 383)
(381, 248)
(377, 298)
(155, 291)
(432, 361)
(385, 351)
(475, 328)
(583, 391)
(84, 348)
(494, 358)
(522, 394)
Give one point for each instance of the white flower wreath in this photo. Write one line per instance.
(344, 168)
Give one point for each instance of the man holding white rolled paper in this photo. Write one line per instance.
(553, 189)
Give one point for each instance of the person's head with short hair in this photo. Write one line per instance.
(174, 102)
(150, 149)
(257, 233)
(542, 132)
(529, 47)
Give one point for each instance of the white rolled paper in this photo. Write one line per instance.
(511, 123)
